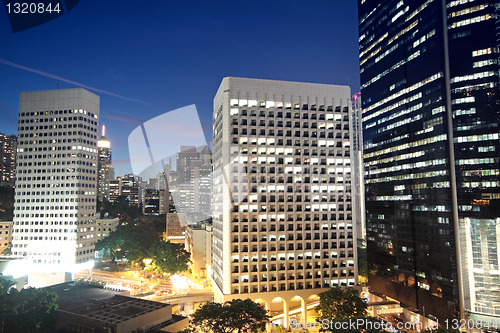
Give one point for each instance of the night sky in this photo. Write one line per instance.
(144, 58)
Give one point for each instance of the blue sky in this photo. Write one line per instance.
(154, 56)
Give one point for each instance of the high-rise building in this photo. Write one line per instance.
(175, 227)
(56, 182)
(183, 163)
(131, 189)
(151, 202)
(357, 165)
(115, 189)
(105, 167)
(430, 87)
(8, 147)
(283, 226)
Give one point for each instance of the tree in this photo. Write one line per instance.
(28, 310)
(362, 262)
(337, 306)
(338, 303)
(169, 258)
(238, 316)
(133, 237)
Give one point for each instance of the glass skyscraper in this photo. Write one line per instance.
(429, 81)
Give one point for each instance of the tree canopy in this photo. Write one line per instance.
(133, 237)
(28, 310)
(236, 316)
(340, 305)
(337, 303)
(168, 258)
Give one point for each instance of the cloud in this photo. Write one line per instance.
(123, 118)
(121, 162)
(53, 76)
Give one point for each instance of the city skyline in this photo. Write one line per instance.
(145, 62)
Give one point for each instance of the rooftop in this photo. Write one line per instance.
(100, 304)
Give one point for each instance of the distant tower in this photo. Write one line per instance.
(8, 146)
(106, 170)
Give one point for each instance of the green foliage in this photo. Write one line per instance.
(28, 310)
(278, 329)
(118, 208)
(168, 258)
(339, 305)
(236, 316)
(133, 237)
(6, 203)
(362, 262)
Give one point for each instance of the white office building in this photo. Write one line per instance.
(283, 228)
(56, 184)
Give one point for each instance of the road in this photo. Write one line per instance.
(182, 287)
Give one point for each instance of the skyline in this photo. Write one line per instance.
(146, 61)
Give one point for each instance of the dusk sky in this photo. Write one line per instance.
(144, 58)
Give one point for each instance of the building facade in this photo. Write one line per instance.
(175, 228)
(151, 202)
(283, 220)
(199, 245)
(104, 227)
(105, 167)
(5, 235)
(56, 182)
(191, 184)
(429, 81)
(130, 188)
(8, 148)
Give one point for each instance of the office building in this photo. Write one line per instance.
(8, 147)
(429, 82)
(191, 184)
(115, 189)
(151, 202)
(357, 165)
(5, 234)
(283, 220)
(175, 229)
(199, 245)
(104, 227)
(56, 180)
(105, 167)
(130, 188)
(163, 201)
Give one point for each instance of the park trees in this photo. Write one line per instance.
(133, 237)
(168, 258)
(236, 316)
(28, 310)
(339, 305)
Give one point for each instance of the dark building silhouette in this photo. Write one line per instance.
(429, 81)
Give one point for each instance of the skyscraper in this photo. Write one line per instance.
(105, 167)
(8, 147)
(191, 184)
(56, 184)
(283, 221)
(429, 81)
